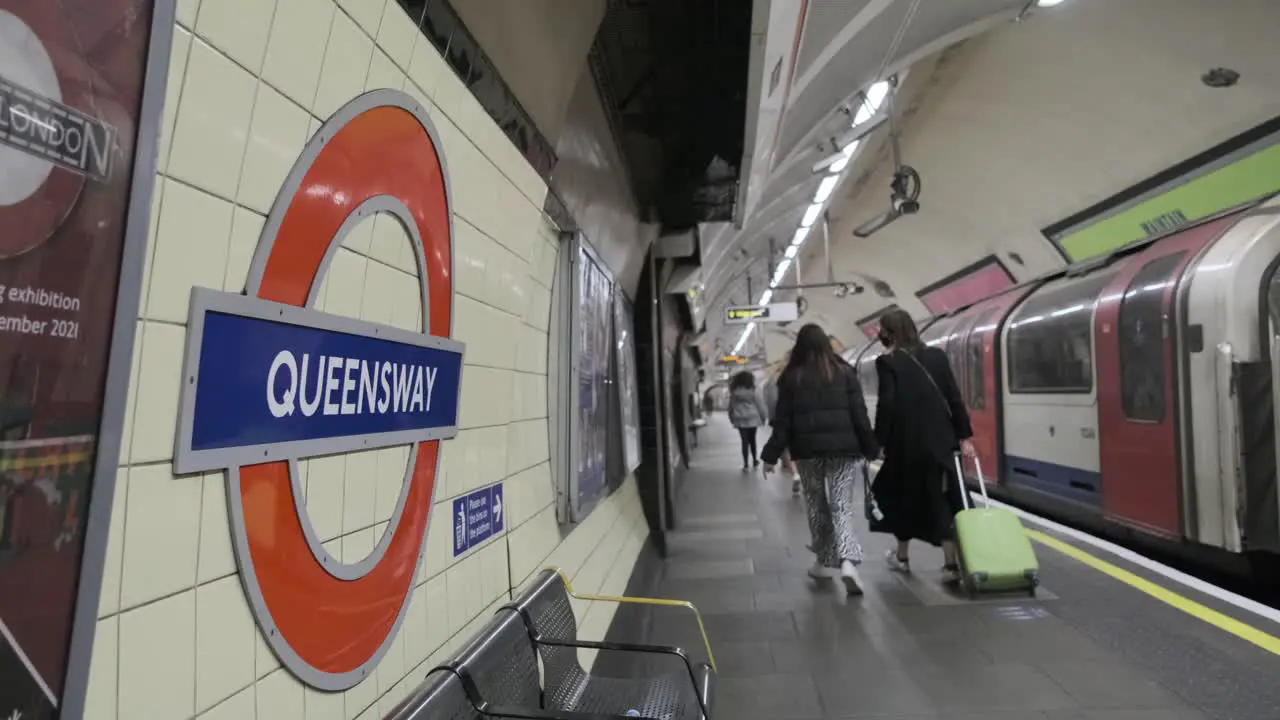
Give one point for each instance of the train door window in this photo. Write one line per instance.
(936, 334)
(974, 367)
(955, 349)
(1141, 339)
(1051, 337)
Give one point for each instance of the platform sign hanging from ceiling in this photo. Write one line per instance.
(73, 76)
(773, 312)
(268, 380)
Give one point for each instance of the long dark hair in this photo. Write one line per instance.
(813, 355)
(743, 379)
(898, 330)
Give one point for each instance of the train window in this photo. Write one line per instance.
(1051, 337)
(953, 346)
(1141, 338)
(936, 334)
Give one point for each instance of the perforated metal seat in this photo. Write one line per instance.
(548, 615)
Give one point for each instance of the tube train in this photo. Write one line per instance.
(1135, 394)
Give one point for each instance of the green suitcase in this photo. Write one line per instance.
(995, 552)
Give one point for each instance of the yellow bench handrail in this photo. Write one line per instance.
(662, 602)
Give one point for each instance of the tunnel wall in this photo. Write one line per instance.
(249, 84)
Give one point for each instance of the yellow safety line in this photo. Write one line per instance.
(642, 601)
(1213, 617)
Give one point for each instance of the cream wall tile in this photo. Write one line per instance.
(383, 73)
(217, 559)
(265, 661)
(360, 239)
(240, 706)
(154, 420)
(326, 481)
(439, 551)
(153, 233)
(360, 698)
(209, 138)
(368, 13)
(489, 334)
(463, 585)
(225, 642)
(391, 669)
(295, 51)
(161, 534)
(187, 11)
(158, 660)
(389, 240)
(397, 34)
(343, 285)
(276, 138)
(474, 459)
(485, 396)
(406, 297)
(530, 543)
(538, 309)
(179, 51)
(531, 350)
(436, 598)
(238, 28)
(191, 249)
(246, 229)
(414, 628)
(280, 697)
(426, 65)
(109, 598)
(360, 482)
(100, 703)
(378, 302)
(323, 705)
(357, 545)
(527, 445)
(346, 65)
(448, 93)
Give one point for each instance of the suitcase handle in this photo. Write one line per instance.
(982, 481)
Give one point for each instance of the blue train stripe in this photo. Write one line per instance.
(1082, 486)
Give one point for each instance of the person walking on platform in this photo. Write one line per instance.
(821, 418)
(921, 422)
(747, 413)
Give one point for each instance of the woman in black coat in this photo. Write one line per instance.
(921, 421)
(821, 418)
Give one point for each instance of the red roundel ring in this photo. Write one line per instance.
(330, 623)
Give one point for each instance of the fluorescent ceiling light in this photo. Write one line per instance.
(876, 93)
(801, 234)
(780, 271)
(863, 114)
(1048, 3)
(743, 340)
(766, 297)
(839, 165)
(791, 251)
(810, 215)
(824, 189)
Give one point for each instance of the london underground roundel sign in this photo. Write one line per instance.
(269, 380)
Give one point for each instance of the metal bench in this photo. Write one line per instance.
(496, 675)
(686, 694)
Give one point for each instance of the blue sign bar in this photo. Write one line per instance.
(477, 517)
(267, 381)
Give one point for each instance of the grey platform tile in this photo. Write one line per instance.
(768, 697)
(705, 521)
(744, 659)
(1183, 713)
(980, 688)
(750, 627)
(1110, 685)
(708, 569)
(873, 689)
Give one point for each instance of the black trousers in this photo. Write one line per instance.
(748, 443)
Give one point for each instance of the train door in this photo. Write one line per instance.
(979, 391)
(1136, 403)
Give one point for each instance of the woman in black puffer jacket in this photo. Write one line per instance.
(821, 418)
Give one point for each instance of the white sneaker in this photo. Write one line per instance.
(896, 563)
(951, 576)
(849, 574)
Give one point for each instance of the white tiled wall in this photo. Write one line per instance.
(250, 81)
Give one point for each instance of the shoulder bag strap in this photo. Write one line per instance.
(945, 405)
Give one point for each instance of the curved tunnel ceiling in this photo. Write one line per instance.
(1012, 126)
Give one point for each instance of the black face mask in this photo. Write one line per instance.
(884, 339)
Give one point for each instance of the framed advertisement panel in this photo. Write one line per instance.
(81, 94)
(595, 332)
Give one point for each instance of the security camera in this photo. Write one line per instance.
(905, 206)
(846, 289)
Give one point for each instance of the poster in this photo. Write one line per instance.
(71, 83)
(595, 317)
(628, 397)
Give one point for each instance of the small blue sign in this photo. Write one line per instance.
(477, 516)
(267, 381)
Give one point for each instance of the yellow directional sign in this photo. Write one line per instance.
(733, 360)
(746, 313)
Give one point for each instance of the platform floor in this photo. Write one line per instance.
(1089, 647)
